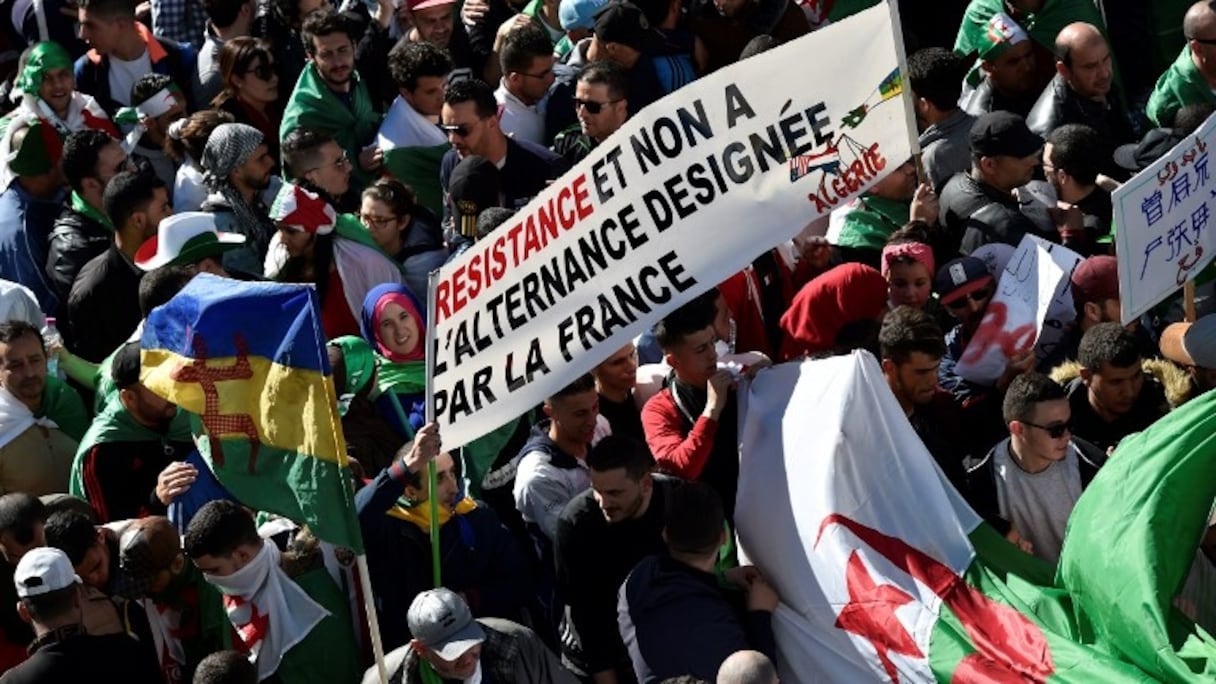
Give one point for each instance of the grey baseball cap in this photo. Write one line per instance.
(442, 622)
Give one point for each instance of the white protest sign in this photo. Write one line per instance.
(1034, 283)
(1061, 311)
(685, 194)
(1161, 220)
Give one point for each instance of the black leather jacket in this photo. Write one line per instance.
(1059, 104)
(975, 214)
(984, 99)
(75, 240)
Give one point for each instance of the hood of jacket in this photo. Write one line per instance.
(1174, 380)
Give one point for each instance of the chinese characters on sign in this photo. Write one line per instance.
(1161, 219)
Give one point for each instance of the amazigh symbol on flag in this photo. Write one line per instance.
(219, 424)
(891, 86)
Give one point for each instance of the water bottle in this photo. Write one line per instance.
(52, 338)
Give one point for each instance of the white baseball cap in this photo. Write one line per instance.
(43, 570)
(185, 238)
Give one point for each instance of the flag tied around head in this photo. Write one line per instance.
(885, 573)
(248, 361)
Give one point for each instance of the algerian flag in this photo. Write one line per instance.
(1132, 538)
(413, 148)
(885, 573)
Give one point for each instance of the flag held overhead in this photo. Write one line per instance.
(248, 360)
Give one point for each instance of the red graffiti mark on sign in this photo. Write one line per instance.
(1185, 267)
(992, 333)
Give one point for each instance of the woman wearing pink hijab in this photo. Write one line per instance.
(393, 322)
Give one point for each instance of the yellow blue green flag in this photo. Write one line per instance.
(248, 362)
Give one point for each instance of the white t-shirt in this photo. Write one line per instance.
(1038, 504)
(519, 120)
(124, 74)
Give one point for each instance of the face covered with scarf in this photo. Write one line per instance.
(394, 323)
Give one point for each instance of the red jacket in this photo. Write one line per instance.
(674, 452)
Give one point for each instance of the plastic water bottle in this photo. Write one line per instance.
(52, 338)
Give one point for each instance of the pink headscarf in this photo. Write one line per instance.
(398, 298)
(918, 251)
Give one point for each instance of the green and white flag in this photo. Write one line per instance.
(887, 575)
(1131, 541)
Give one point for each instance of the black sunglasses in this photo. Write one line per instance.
(461, 130)
(263, 71)
(1054, 431)
(976, 296)
(592, 106)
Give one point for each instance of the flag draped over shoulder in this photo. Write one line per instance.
(1132, 537)
(885, 573)
(248, 360)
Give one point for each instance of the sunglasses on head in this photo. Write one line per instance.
(1054, 431)
(263, 71)
(592, 106)
(975, 296)
(460, 131)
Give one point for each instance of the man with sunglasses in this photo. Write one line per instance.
(470, 118)
(1027, 485)
(965, 287)
(601, 104)
(1192, 77)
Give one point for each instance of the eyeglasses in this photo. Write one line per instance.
(1054, 431)
(458, 130)
(541, 76)
(339, 163)
(1204, 41)
(376, 221)
(592, 106)
(263, 71)
(977, 296)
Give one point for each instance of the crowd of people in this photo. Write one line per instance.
(356, 148)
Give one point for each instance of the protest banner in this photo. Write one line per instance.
(685, 194)
(1030, 308)
(1161, 220)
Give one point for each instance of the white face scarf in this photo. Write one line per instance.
(269, 611)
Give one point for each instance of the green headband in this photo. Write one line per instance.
(43, 57)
